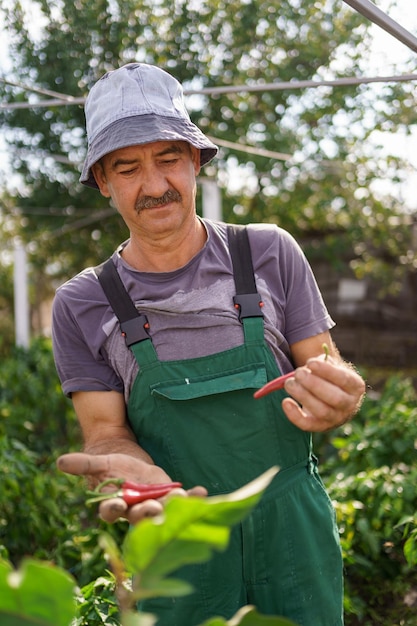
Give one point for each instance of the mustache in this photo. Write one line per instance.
(148, 202)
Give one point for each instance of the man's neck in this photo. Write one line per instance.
(165, 254)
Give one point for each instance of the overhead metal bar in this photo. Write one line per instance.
(42, 104)
(378, 17)
(281, 156)
(302, 84)
(277, 86)
(44, 92)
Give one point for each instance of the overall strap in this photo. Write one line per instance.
(247, 298)
(132, 323)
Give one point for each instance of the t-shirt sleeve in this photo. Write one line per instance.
(307, 314)
(301, 311)
(79, 360)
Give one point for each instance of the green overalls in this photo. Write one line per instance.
(198, 420)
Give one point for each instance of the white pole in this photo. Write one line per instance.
(212, 201)
(21, 303)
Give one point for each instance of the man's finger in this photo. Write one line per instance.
(82, 464)
(149, 508)
(113, 509)
(198, 492)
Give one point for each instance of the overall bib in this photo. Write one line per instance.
(198, 420)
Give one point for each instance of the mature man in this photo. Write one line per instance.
(162, 380)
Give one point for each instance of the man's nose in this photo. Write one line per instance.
(154, 182)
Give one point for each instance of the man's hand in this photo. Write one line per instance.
(326, 393)
(100, 467)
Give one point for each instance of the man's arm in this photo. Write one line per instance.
(325, 392)
(111, 451)
(104, 425)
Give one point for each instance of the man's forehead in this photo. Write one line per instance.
(154, 148)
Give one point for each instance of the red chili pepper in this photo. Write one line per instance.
(278, 383)
(129, 484)
(273, 385)
(134, 493)
(133, 496)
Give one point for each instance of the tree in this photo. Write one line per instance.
(323, 192)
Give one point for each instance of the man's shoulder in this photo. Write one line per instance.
(270, 240)
(81, 282)
(266, 239)
(258, 231)
(81, 290)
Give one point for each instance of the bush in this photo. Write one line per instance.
(42, 511)
(371, 478)
(369, 467)
(33, 409)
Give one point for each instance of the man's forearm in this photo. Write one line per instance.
(118, 446)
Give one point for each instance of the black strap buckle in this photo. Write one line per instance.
(249, 305)
(135, 330)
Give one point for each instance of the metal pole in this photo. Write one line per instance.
(370, 11)
(21, 303)
(211, 199)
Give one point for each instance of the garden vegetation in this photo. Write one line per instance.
(369, 467)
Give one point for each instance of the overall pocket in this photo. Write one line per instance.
(251, 377)
(212, 430)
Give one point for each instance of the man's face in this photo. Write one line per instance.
(153, 185)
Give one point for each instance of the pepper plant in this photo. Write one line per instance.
(369, 467)
(371, 475)
(39, 594)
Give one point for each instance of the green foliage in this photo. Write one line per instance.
(371, 478)
(6, 313)
(37, 424)
(97, 604)
(188, 532)
(249, 616)
(190, 529)
(410, 534)
(33, 409)
(370, 471)
(325, 190)
(38, 594)
(385, 431)
(61, 528)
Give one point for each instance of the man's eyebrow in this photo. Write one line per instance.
(119, 162)
(173, 149)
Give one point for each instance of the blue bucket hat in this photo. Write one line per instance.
(133, 105)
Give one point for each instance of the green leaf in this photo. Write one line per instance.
(174, 554)
(14, 620)
(168, 587)
(407, 519)
(188, 532)
(248, 616)
(189, 529)
(132, 618)
(410, 549)
(37, 593)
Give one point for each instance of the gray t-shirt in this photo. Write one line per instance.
(190, 310)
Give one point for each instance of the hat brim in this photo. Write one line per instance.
(143, 129)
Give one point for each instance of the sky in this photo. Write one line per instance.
(386, 48)
(386, 58)
(388, 54)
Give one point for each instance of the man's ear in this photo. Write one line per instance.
(100, 178)
(195, 157)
